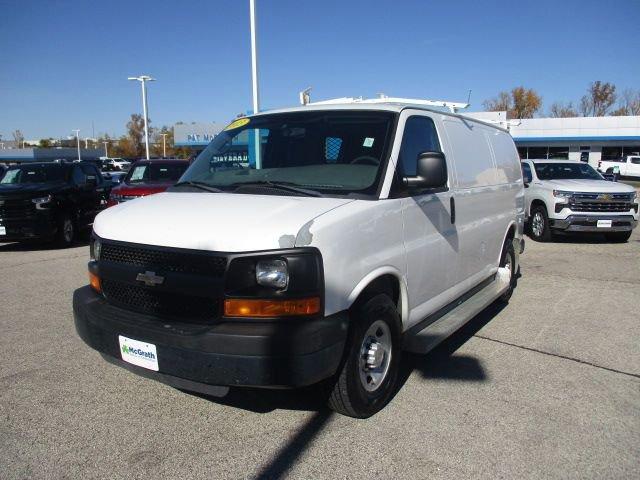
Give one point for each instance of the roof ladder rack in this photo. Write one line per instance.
(305, 99)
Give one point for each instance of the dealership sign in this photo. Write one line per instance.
(195, 134)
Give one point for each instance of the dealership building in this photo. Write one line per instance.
(580, 138)
(589, 139)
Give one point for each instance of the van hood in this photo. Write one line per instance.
(590, 186)
(224, 222)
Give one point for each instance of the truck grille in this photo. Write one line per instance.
(157, 302)
(165, 261)
(16, 208)
(600, 207)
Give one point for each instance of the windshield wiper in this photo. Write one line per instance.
(286, 186)
(201, 185)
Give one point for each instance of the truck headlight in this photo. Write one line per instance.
(272, 273)
(94, 249)
(41, 202)
(562, 194)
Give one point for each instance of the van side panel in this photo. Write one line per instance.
(484, 204)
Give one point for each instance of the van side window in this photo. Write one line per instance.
(419, 136)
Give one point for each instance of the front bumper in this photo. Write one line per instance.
(280, 354)
(589, 223)
(37, 226)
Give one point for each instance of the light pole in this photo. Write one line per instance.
(164, 144)
(143, 79)
(106, 152)
(78, 141)
(254, 77)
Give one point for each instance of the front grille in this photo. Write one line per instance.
(594, 196)
(165, 261)
(600, 207)
(12, 208)
(157, 302)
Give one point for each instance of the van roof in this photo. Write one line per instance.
(379, 106)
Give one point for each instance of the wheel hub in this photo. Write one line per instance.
(375, 355)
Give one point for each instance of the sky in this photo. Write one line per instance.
(64, 64)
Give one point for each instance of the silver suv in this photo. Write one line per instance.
(569, 196)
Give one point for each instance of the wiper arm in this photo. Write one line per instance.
(287, 186)
(201, 185)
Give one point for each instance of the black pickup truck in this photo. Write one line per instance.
(50, 201)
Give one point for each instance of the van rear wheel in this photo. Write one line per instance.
(367, 379)
(508, 264)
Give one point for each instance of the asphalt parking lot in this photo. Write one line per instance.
(548, 387)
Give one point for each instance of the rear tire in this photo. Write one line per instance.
(539, 228)
(367, 378)
(66, 234)
(508, 260)
(618, 237)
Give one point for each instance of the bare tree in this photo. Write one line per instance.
(629, 104)
(599, 99)
(19, 138)
(519, 103)
(562, 110)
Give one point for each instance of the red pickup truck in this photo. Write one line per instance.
(147, 177)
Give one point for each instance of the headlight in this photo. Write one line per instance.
(41, 202)
(94, 249)
(633, 196)
(272, 273)
(562, 194)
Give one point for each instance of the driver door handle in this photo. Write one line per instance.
(452, 205)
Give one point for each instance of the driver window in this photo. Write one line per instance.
(78, 176)
(419, 136)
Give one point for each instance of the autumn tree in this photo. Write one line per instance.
(135, 135)
(519, 103)
(45, 143)
(562, 110)
(629, 104)
(599, 99)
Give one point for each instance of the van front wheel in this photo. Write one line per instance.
(369, 371)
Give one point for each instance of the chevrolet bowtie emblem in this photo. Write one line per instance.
(604, 196)
(150, 279)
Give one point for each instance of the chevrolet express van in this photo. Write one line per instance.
(309, 246)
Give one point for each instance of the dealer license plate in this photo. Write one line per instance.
(604, 224)
(139, 353)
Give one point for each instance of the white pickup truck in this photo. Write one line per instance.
(627, 167)
(563, 196)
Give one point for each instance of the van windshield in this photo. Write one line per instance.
(325, 152)
(566, 171)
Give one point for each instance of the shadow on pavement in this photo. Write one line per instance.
(295, 447)
(439, 363)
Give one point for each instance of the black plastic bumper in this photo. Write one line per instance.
(589, 223)
(289, 353)
(34, 227)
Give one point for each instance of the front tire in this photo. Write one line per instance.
(539, 228)
(66, 231)
(618, 237)
(369, 372)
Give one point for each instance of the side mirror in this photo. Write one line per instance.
(92, 181)
(431, 171)
(526, 176)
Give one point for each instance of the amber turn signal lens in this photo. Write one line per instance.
(94, 281)
(238, 307)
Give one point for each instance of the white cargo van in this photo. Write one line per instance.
(309, 245)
